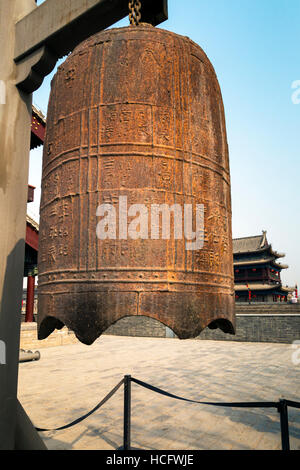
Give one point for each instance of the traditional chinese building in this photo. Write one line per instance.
(30, 267)
(257, 272)
(38, 128)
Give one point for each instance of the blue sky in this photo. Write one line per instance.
(254, 48)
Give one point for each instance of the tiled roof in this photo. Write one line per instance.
(32, 222)
(250, 244)
(39, 113)
(253, 260)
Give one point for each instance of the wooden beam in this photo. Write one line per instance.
(38, 130)
(30, 194)
(54, 28)
(32, 237)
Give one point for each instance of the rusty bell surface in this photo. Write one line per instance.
(135, 117)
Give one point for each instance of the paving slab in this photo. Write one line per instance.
(70, 380)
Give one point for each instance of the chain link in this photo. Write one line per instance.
(134, 12)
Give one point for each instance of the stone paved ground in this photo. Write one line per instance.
(70, 380)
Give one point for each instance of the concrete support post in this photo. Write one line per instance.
(15, 119)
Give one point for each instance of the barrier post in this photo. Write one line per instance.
(127, 412)
(284, 425)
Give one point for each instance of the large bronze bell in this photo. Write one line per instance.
(135, 117)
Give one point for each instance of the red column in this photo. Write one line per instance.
(30, 299)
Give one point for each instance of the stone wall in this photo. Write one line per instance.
(29, 340)
(267, 308)
(137, 326)
(255, 323)
(271, 323)
(266, 328)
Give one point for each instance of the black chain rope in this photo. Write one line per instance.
(293, 404)
(78, 420)
(265, 404)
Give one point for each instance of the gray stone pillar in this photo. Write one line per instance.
(15, 119)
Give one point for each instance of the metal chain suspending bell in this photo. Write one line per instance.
(134, 12)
